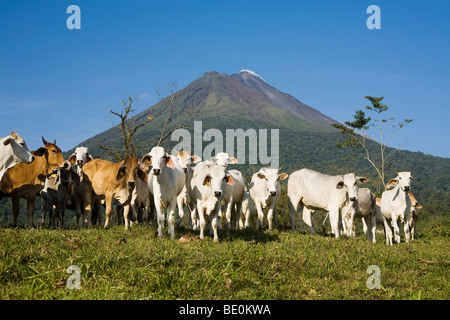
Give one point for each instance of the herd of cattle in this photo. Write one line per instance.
(172, 184)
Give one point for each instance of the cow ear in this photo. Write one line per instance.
(283, 176)
(392, 183)
(7, 141)
(121, 173)
(39, 152)
(147, 160)
(229, 180)
(340, 185)
(14, 135)
(73, 158)
(169, 162)
(207, 180)
(195, 159)
(88, 158)
(232, 160)
(362, 180)
(142, 175)
(419, 206)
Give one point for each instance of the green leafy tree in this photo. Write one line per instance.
(356, 133)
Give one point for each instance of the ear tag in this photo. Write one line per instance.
(122, 173)
(147, 161)
(207, 183)
(53, 175)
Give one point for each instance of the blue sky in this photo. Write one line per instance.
(56, 82)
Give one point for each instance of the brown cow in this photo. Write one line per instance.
(26, 180)
(414, 215)
(107, 180)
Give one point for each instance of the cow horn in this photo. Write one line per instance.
(43, 140)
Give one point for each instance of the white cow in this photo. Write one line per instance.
(223, 159)
(395, 204)
(165, 181)
(233, 194)
(265, 191)
(185, 160)
(207, 187)
(13, 150)
(365, 209)
(318, 191)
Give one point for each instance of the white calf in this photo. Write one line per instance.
(207, 186)
(165, 181)
(265, 191)
(395, 204)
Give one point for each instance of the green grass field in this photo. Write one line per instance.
(246, 264)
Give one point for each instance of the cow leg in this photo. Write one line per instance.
(108, 209)
(195, 222)
(200, 211)
(30, 208)
(396, 229)
(15, 199)
(270, 214)
(159, 216)
(43, 211)
(334, 221)
(180, 203)
(78, 210)
(171, 218)
(260, 214)
(306, 213)
(367, 227)
(387, 231)
(214, 225)
(373, 223)
(406, 228)
(293, 205)
(126, 213)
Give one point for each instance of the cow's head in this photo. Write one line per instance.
(414, 203)
(129, 171)
(80, 156)
(158, 158)
(402, 181)
(19, 149)
(350, 183)
(62, 175)
(216, 177)
(223, 159)
(185, 159)
(52, 154)
(271, 176)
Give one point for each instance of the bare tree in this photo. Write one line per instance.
(129, 127)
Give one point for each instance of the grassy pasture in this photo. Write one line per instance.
(245, 264)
